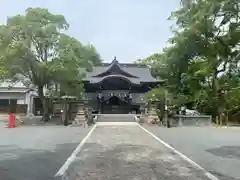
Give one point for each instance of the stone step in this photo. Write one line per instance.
(116, 118)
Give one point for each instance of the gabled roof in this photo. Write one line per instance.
(13, 87)
(115, 68)
(135, 73)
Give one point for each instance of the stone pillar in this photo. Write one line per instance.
(180, 121)
(142, 113)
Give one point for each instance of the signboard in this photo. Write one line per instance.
(20, 101)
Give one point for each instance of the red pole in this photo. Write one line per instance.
(11, 121)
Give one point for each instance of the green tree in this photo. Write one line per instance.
(35, 49)
(3, 70)
(215, 25)
(202, 62)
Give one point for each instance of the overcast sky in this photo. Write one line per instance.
(127, 29)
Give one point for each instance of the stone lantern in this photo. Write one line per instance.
(152, 107)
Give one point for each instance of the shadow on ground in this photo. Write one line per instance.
(31, 164)
(226, 151)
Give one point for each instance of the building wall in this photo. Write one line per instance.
(22, 99)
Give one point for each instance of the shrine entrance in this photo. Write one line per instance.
(114, 101)
(114, 95)
(115, 105)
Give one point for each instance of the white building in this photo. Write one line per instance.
(16, 94)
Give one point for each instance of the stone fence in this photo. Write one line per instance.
(183, 120)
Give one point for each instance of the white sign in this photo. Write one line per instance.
(166, 108)
(20, 101)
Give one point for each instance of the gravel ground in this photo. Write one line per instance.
(36, 153)
(215, 149)
(128, 153)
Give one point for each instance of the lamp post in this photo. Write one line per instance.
(9, 101)
(65, 115)
(167, 122)
(46, 115)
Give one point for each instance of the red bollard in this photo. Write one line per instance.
(11, 121)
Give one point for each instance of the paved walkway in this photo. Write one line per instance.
(128, 153)
(215, 149)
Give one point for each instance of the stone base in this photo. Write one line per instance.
(152, 119)
(79, 120)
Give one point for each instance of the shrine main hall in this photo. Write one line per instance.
(118, 88)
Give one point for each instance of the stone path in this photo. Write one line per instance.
(128, 153)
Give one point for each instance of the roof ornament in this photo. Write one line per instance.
(114, 61)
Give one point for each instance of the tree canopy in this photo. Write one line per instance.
(37, 52)
(202, 61)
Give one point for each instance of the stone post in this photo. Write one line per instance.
(180, 122)
(142, 114)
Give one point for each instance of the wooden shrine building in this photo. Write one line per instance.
(116, 88)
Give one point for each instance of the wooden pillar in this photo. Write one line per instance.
(100, 108)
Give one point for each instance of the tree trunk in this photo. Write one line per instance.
(46, 114)
(65, 114)
(44, 101)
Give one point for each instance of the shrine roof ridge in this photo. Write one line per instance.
(124, 65)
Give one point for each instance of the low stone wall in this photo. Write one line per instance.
(3, 117)
(182, 120)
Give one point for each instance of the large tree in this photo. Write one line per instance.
(215, 25)
(37, 52)
(3, 70)
(202, 62)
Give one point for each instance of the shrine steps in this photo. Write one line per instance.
(116, 118)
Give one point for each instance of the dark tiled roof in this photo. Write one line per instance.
(142, 73)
